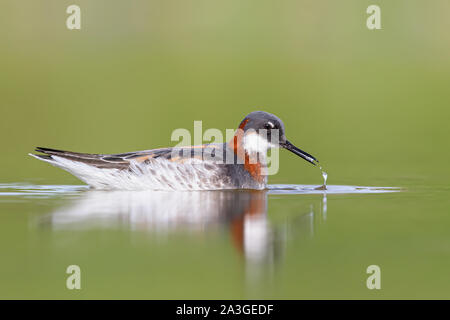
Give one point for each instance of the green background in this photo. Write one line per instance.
(372, 106)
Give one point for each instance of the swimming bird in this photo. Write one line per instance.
(240, 163)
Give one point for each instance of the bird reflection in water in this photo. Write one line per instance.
(242, 213)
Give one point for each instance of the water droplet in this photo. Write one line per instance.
(325, 176)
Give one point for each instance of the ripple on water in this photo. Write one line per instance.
(44, 191)
(47, 191)
(331, 189)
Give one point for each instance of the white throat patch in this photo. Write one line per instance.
(253, 143)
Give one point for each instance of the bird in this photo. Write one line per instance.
(240, 163)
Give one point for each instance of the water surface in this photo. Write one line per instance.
(289, 241)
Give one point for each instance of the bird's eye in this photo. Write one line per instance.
(269, 125)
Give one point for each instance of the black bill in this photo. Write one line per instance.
(289, 146)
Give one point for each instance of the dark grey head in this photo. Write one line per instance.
(271, 129)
